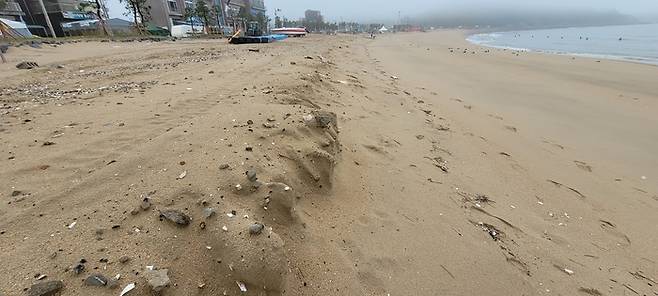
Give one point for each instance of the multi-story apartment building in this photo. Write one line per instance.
(166, 13)
(12, 11)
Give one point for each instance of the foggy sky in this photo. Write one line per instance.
(387, 10)
(365, 10)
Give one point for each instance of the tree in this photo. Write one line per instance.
(98, 9)
(262, 20)
(203, 13)
(217, 14)
(140, 10)
(190, 15)
(277, 22)
(3, 3)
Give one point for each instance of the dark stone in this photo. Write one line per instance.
(79, 268)
(96, 280)
(256, 228)
(46, 288)
(124, 259)
(176, 216)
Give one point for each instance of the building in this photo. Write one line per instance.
(232, 12)
(59, 11)
(12, 11)
(313, 20)
(167, 13)
(313, 16)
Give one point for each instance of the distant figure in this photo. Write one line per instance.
(620, 39)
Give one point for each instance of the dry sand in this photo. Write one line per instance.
(442, 173)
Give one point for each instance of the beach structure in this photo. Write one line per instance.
(9, 28)
(91, 27)
(58, 12)
(12, 11)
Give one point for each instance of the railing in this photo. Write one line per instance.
(12, 7)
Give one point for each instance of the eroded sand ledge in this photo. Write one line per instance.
(421, 170)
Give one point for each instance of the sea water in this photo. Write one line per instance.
(637, 43)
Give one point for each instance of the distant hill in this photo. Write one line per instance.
(499, 18)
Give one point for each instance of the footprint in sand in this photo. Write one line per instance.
(583, 166)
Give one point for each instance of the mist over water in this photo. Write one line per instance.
(631, 42)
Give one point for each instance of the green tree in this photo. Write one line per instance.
(95, 8)
(140, 10)
(217, 14)
(3, 3)
(190, 15)
(203, 12)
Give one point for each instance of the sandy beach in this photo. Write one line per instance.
(412, 164)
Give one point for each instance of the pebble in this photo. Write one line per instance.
(208, 212)
(176, 216)
(251, 175)
(146, 204)
(46, 288)
(124, 259)
(158, 279)
(223, 166)
(256, 228)
(78, 268)
(96, 280)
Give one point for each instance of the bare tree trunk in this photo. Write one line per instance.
(132, 4)
(101, 19)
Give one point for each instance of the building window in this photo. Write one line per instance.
(173, 6)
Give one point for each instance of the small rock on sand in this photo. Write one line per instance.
(256, 228)
(146, 204)
(208, 212)
(157, 279)
(46, 288)
(96, 280)
(176, 216)
(223, 166)
(251, 175)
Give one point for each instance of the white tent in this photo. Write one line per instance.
(19, 27)
(383, 29)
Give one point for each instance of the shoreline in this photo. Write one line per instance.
(613, 57)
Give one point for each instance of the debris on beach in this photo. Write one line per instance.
(96, 280)
(27, 65)
(176, 216)
(158, 279)
(45, 288)
(127, 289)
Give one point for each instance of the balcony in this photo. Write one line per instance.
(12, 8)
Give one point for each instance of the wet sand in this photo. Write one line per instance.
(452, 173)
